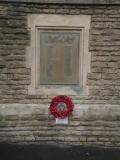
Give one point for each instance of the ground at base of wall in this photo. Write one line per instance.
(48, 152)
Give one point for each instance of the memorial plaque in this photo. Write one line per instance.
(59, 57)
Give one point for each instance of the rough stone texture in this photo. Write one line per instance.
(89, 125)
(103, 81)
(93, 2)
(62, 1)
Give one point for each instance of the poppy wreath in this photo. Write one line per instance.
(61, 106)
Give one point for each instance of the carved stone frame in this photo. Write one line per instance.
(79, 23)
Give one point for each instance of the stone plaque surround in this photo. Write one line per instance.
(78, 23)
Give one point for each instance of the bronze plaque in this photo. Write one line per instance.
(59, 57)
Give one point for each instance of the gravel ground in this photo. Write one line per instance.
(50, 152)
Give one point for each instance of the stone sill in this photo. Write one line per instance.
(84, 2)
(83, 112)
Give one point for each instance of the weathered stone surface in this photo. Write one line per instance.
(23, 123)
(66, 1)
(92, 123)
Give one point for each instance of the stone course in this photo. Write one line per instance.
(35, 125)
(89, 125)
(93, 2)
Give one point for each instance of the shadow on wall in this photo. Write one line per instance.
(50, 152)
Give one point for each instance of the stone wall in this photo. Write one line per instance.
(32, 123)
(25, 118)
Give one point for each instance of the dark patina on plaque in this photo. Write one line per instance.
(59, 57)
